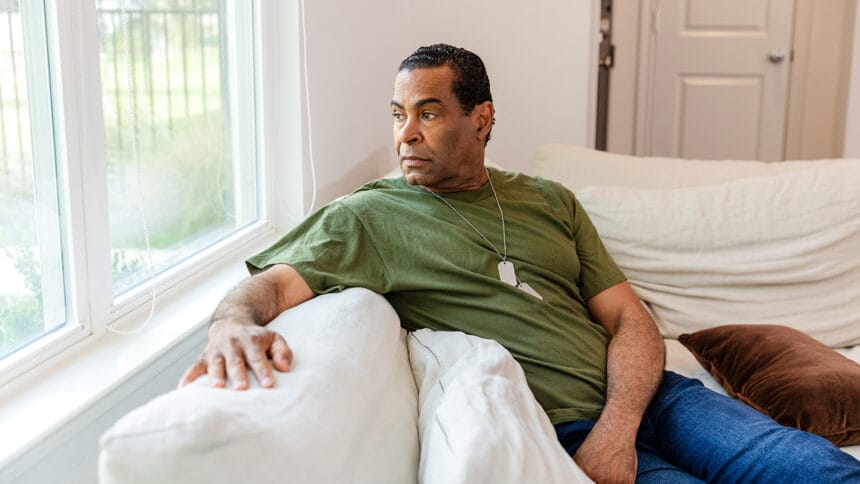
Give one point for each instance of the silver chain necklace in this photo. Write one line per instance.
(502, 256)
(507, 274)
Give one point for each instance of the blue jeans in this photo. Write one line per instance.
(690, 433)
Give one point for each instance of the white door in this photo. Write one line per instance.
(716, 80)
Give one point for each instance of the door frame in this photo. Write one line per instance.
(647, 54)
(809, 131)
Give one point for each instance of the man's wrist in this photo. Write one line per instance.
(230, 320)
(621, 426)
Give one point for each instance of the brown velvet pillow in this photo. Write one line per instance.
(785, 374)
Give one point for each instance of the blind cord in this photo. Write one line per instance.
(135, 156)
(308, 108)
(310, 135)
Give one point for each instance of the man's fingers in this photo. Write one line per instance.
(235, 363)
(281, 353)
(193, 373)
(260, 366)
(216, 371)
(230, 361)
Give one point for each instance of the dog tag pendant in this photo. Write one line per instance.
(524, 286)
(507, 273)
(509, 276)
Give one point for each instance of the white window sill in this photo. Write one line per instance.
(41, 402)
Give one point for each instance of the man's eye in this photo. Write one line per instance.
(426, 115)
(397, 116)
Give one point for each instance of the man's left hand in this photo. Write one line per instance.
(606, 459)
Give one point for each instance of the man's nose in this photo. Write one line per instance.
(410, 132)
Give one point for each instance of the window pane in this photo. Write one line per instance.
(175, 148)
(32, 294)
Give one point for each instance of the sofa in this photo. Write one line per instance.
(751, 270)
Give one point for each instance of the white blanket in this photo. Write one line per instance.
(478, 420)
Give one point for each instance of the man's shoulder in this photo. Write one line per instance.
(382, 186)
(389, 183)
(375, 192)
(516, 181)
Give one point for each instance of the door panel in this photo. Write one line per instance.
(707, 103)
(715, 93)
(736, 15)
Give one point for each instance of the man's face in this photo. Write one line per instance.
(439, 147)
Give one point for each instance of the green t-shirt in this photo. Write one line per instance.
(438, 273)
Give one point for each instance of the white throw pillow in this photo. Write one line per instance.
(478, 420)
(781, 249)
(345, 412)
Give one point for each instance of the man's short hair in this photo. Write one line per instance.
(471, 85)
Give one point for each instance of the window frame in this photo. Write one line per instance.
(72, 39)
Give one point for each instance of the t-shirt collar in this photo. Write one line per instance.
(471, 196)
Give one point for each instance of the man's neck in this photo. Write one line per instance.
(475, 182)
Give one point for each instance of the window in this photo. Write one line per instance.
(178, 179)
(128, 135)
(32, 288)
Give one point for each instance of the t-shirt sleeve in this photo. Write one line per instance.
(331, 250)
(598, 271)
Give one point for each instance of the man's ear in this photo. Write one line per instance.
(483, 115)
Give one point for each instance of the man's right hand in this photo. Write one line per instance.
(234, 347)
(238, 338)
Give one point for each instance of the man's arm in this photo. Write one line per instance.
(237, 336)
(634, 367)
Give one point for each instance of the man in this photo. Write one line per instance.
(457, 246)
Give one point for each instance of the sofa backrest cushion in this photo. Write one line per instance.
(776, 249)
(575, 166)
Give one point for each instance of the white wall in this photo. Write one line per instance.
(852, 122)
(351, 58)
(538, 55)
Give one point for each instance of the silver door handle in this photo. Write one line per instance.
(776, 56)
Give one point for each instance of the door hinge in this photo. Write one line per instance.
(607, 59)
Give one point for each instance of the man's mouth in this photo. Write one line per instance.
(413, 160)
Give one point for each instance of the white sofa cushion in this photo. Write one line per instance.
(345, 412)
(781, 249)
(576, 166)
(478, 419)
